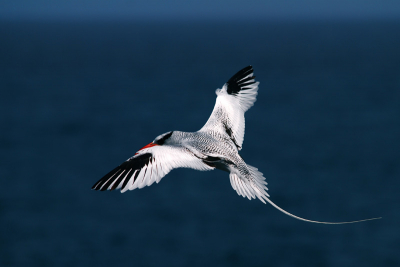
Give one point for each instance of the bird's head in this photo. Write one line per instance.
(160, 140)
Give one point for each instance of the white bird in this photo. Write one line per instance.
(215, 146)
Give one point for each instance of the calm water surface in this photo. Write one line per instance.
(77, 99)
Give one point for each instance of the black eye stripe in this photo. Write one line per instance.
(165, 137)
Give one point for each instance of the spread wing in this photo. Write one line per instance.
(233, 100)
(147, 166)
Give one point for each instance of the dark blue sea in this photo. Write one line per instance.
(79, 98)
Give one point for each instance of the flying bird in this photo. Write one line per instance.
(215, 146)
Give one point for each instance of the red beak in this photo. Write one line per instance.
(147, 146)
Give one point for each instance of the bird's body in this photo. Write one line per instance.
(215, 146)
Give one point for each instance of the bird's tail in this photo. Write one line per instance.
(306, 220)
(256, 187)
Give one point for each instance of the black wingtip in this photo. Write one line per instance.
(102, 181)
(125, 170)
(239, 81)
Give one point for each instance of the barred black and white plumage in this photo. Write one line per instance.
(215, 146)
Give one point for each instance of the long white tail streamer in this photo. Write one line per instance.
(302, 219)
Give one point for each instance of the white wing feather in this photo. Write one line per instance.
(149, 165)
(229, 109)
(164, 159)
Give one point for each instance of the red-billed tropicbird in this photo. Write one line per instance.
(215, 146)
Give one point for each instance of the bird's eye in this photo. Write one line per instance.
(161, 139)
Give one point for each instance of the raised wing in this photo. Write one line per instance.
(149, 165)
(233, 100)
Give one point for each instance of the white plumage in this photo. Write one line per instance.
(215, 145)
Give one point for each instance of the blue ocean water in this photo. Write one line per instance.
(79, 98)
